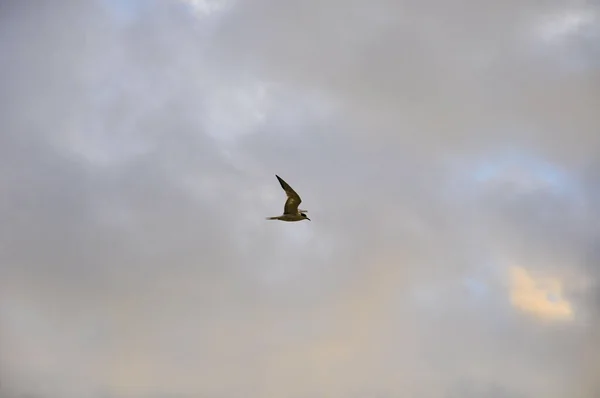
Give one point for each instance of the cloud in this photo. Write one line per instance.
(205, 8)
(440, 148)
(543, 298)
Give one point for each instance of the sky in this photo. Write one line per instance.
(447, 153)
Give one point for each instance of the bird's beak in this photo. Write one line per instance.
(308, 218)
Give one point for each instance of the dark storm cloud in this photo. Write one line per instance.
(137, 155)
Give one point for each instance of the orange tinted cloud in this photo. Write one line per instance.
(541, 297)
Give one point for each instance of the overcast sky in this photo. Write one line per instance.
(447, 151)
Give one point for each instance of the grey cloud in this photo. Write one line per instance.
(136, 174)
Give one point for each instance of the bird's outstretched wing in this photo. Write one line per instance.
(293, 199)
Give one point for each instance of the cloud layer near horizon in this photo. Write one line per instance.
(447, 153)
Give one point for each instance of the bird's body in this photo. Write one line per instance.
(288, 217)
(290, 209)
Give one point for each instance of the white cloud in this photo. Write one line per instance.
(204, 8)
(559, 26)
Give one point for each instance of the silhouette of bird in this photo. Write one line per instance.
(290, 209)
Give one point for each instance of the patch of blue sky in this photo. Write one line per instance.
(476, 287)
(525, 170)
(503, 164)
(124, 10)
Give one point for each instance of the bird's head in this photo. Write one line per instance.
(304, 216)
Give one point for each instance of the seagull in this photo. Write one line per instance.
(290, 209)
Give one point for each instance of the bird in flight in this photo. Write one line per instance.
(290, 209)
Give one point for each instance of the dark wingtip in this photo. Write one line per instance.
(281, 182)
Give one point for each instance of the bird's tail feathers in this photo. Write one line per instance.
(271, 218)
